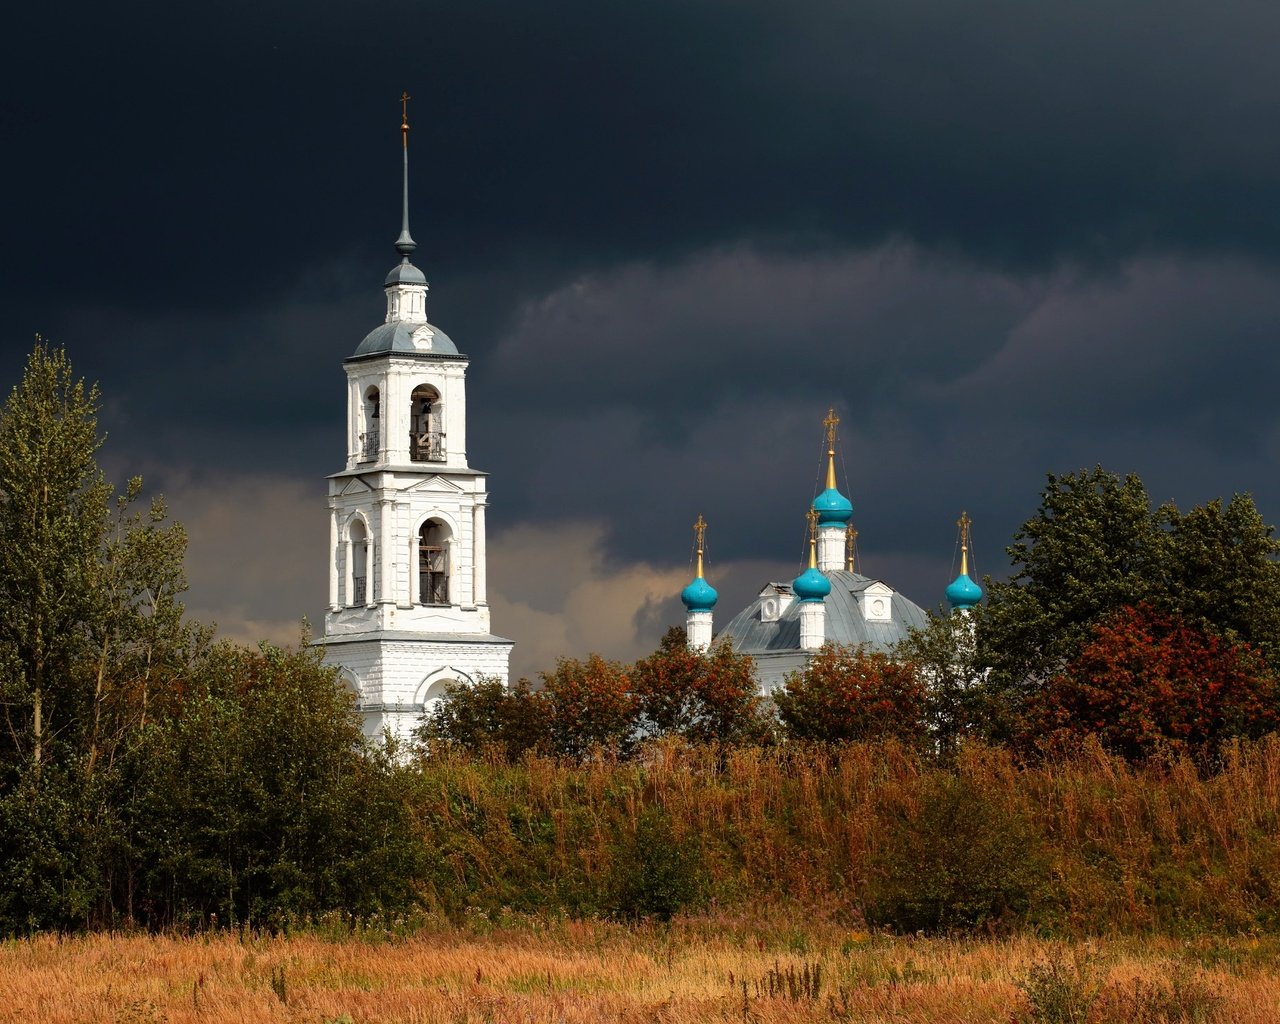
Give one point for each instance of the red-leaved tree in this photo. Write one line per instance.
(591, 705)
(704, 696)
(1146, 680)
(853, 693)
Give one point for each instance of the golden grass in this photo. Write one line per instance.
(696, 970)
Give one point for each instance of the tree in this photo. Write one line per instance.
(53, 513)
(1223, 572)
(1094, 545)
(960, 702)
(1148, 680)
(853, 693)
(488, 715)
(704, 696)
(591, 704)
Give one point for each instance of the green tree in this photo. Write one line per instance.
(1223, 572)
(488, 715)
(704, 696)
(54, 506)
(1095, 544)
(853, 693)
(960, 702)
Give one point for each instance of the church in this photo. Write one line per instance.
(408, 607)
(829, 602)
(408, 611)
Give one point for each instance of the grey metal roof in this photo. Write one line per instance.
(844, 621)
(404, 273)
(397, 336)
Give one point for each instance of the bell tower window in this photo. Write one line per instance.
(358, 558)
(433, 563)
(426, 439)
(370, 437)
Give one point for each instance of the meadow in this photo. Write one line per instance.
(696, 969)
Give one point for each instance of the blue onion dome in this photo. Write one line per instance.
(811, 585)
(963, 593)
(833, 508)
(699, 596)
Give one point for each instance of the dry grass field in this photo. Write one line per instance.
(694, 970)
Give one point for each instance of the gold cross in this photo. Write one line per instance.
(964, 523)
(700, 530)
(812, 516)
(831, 422)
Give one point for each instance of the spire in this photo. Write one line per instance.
(831, 422)
(405, 243)
(963, 593)
(812, 516)
(851, 547)
(699, 595)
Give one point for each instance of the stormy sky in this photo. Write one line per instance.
(1001, 238)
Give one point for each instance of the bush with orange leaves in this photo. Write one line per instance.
(1147, 681)
(853, 693)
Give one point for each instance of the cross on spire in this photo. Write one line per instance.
(831, 422)
(700, 532)
(405, 243)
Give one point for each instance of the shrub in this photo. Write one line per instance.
(489, 715)
(703, 696)
(654, 874)
(846, 693)
(961, 862)
(1147, 681)
(590, 704)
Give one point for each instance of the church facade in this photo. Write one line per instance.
(408, 608)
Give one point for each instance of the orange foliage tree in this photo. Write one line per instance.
(853, 693)
(704, 696)
(591, 704)
(1146, 680)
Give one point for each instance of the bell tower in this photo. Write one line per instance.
(408, 609)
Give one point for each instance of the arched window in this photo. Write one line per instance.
(433, 563)
(370, 436)
(426, 438)
(358, 553)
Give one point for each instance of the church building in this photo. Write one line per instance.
(829, 602)
(408, 610)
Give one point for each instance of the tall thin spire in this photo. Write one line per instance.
(812, 516)
(831, 422)
(405, 243)
(700, 536)
(851, 547)
(964, 522)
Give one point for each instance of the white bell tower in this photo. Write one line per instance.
(408, 610)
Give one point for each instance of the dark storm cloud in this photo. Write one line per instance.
(1002, 238)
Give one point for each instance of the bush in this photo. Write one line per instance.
(853, 693)
(654, 874)
(489, 715)
(961, 862)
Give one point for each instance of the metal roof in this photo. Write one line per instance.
(844, 621)
(397, 336)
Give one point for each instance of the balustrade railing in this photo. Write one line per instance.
(369, 446)
(358, 590)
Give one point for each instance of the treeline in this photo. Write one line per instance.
(147, 775)
(1156, 632)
